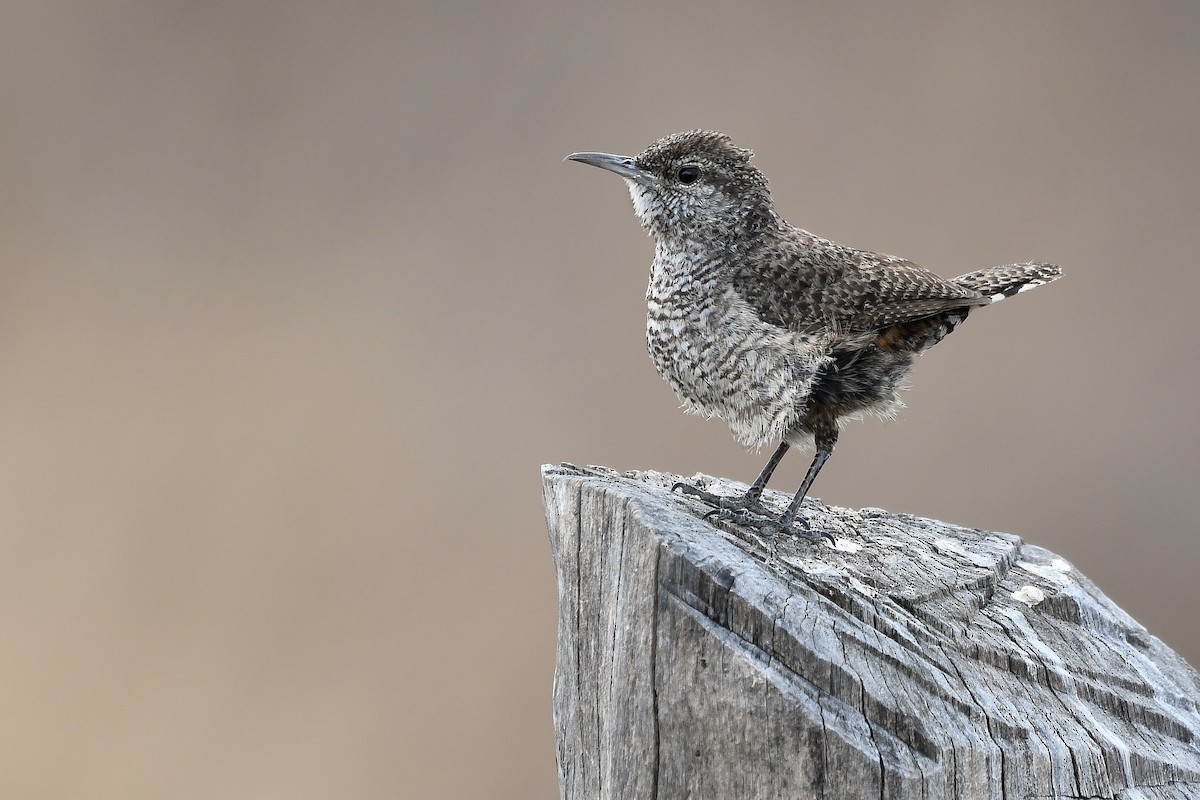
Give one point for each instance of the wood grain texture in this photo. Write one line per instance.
(912, 659)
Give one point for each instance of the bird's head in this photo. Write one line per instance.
(692, 186)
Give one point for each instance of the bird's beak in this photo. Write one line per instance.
(625, 166)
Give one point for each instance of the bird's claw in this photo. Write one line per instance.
(719, 503)
(749, 511)
(804, 530)
(740, 516)
(774, 526)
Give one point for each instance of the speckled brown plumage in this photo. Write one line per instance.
(779, 332)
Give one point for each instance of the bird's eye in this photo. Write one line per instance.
(689, 174)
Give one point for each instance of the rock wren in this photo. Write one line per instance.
(777, 331)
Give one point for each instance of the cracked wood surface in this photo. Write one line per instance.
(911, 659)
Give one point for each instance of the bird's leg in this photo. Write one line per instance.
(826, 437)
(750, 501)
(760, 483)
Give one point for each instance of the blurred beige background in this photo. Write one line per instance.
(297, 296)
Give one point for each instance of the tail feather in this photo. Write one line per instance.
(998, 283)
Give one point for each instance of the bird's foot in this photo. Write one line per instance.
(770, 526)
(749, 512)
(800, 527)
(746, 505)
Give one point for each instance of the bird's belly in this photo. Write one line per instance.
(862, 381)
(756, 378)
(697, 365)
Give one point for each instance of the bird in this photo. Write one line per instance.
(779, 332)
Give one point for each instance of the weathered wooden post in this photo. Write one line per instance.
(912, 659)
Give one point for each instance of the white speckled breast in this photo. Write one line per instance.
(728, 364)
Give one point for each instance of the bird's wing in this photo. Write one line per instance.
(824, 284)
(894, 291)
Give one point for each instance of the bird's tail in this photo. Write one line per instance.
(1001, 282)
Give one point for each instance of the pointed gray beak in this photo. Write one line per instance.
(625, 166)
